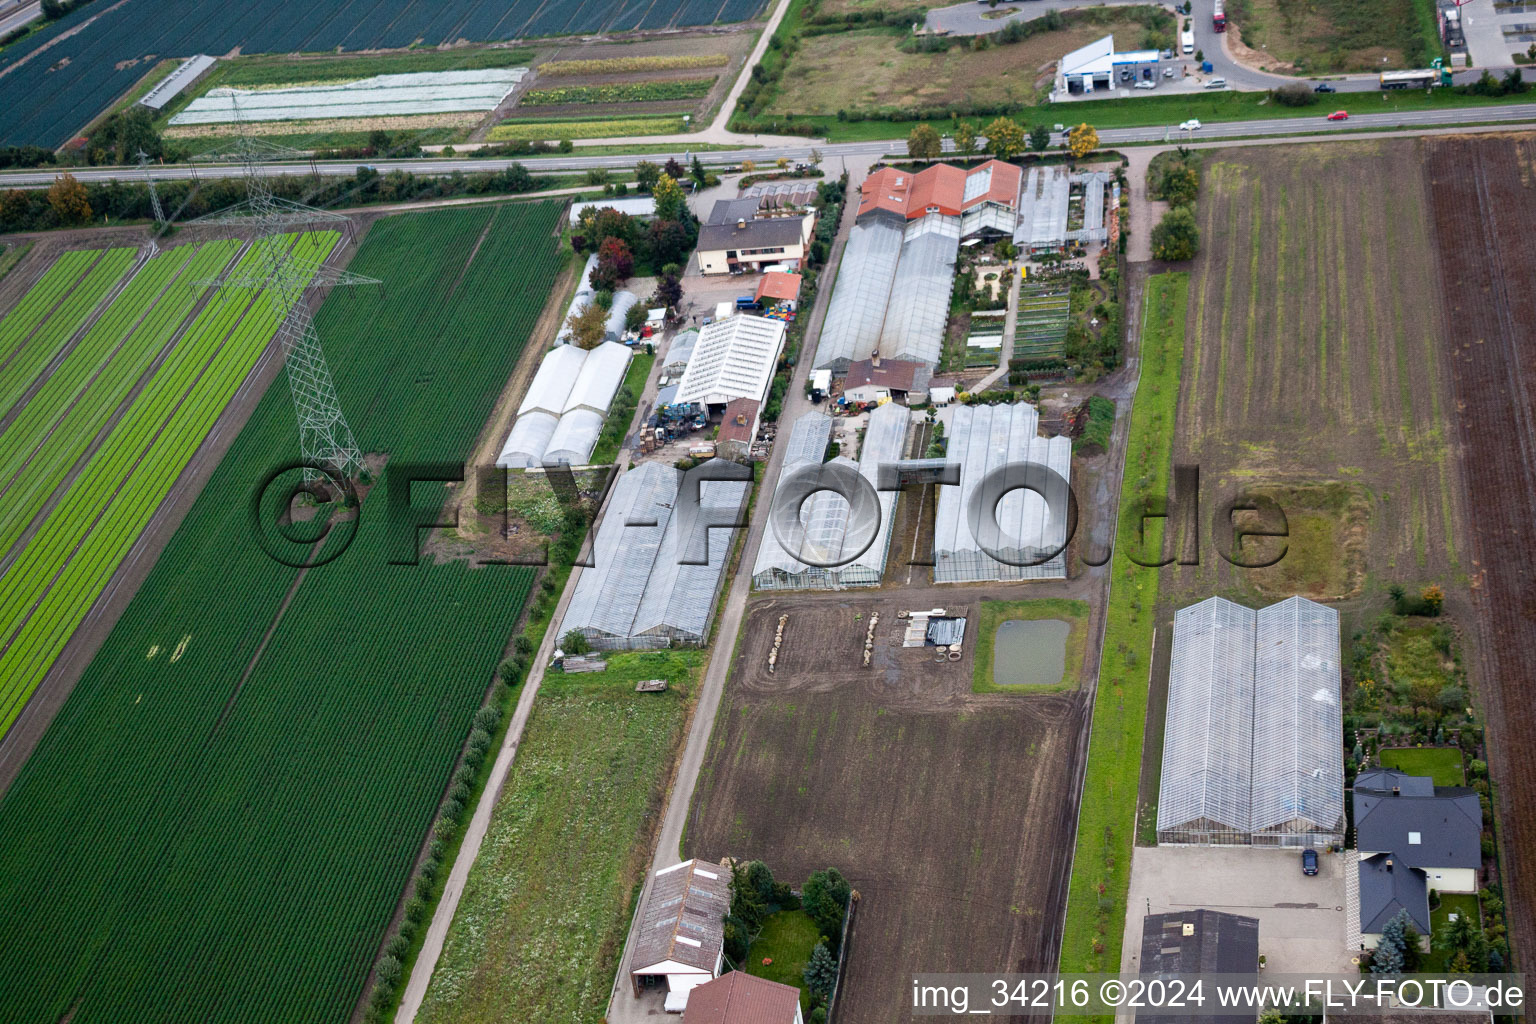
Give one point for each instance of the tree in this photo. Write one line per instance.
(615, 263)
(1039, 138)
(669, 292)
(1177, 236)
(1390, 956)
(1294, 94)
(597, 176)
(575, 642)
(670, 204)
(1082, 140)
(825, 899)
(667, 241)
(634, 318)
(1181, 184)
(69, 200)
(923, 143)
(1433, 599)
(646, 174)
(747, 167)
(815, 154)
(587, 325)
(1005, 138)
(965, 139)
(820, 973)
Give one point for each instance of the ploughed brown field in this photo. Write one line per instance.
(949, 812)
(1482, 198)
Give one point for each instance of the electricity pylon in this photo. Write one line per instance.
(325, 438)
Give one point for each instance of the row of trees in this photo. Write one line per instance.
(1176, 180)
(1005, 139)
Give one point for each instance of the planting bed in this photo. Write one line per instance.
(1480, 196)
(949, 812)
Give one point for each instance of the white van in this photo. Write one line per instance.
(1188, 40)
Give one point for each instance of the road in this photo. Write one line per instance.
(17, 13)
(851, 152)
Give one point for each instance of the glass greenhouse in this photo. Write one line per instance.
(852, 328)
(982, 439)
(636, 595)
(925, 276)
(1253, 744)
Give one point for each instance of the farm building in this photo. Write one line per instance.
(738, 429)
(562, 415)
(893, 285)
(1198, 942)
(741, 998)
(870, 380)
(733, 358)
(638, 593)
(1412, 836)
(680, 937)
(983, 439)
(175, 83)
(639, 207)
(824, 516)
(1252, 745)
(679, 351)
(1099, 66)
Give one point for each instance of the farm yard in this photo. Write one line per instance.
(539, 931)
(1480, 195)
(67, 524)
(259, 694)
(825, 763)
(80, 64)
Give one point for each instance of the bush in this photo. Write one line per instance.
(1177, 236)
(1294, 94)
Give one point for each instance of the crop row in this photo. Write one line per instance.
(58, 423)
(56, 579)
(631, 65)
(621, 92)
(268, 748)
(54, 332)
(600, 129)
(37, 303)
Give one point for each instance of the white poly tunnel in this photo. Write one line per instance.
(562, 415)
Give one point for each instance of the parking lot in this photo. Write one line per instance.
(1303, 924)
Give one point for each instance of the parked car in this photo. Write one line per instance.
(1324, 87)
(1309, 861)
(1216, 83)
(1339, 115)
(1167, 72)
(1146, 85)
(1192, 125)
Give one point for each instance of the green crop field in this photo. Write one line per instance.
(78, 541)
(237, 787)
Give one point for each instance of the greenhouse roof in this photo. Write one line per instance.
(551, 385)
(528, 441)
(733, 358)
(574, 438)
(681, 348)
(925, 276)
(1043, 207)
(807, 445)
(431, 92)
(614, 329)
(635, 206)
(599, 378)
(863, 289)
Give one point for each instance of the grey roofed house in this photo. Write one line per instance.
(682, 929)
(776, 232)
(729, 211)
(1199, 942)
(1442, 828)
(1388, 886)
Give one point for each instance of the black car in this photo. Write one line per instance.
(1324, 87)
(1309, 862)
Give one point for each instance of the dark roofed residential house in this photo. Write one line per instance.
(729, 211)
(680, 939)
(740, 998)
(1199, 942)
(1413, 836)
(869, 380)
(748, 244)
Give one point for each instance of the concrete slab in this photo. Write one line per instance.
(1485, 25)
(1303, 925)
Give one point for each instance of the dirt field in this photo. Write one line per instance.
(950, 812)
(866, 70)
(1482, 194)
(1328, 35)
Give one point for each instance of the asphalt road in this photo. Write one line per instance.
(832, 153)
(16, 14)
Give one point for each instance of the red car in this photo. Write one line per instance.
(1339, 115)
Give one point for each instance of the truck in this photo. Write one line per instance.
(1219, 16)
(1187, 40)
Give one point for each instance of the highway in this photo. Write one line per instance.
(17, 13)
(832, 153)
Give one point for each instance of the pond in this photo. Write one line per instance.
(1030, 653)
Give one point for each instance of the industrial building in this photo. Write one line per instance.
(733, 358)
(680, 937)
(1098, 66)
(1253, 742)
(983, 439)
(638, 593)
(824, 516)
(562, 415)
(893, 285)
(1045, 210)
(1198, 941)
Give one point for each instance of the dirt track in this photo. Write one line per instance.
(1482, 193)
(949, 812)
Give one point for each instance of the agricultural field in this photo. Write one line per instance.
(541, 925)
(589, 128)
(1044, 311)
(1326, 36)
(67, 524)
(1480, 198)
(825, 763)
(259, 694)
(66, 73)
